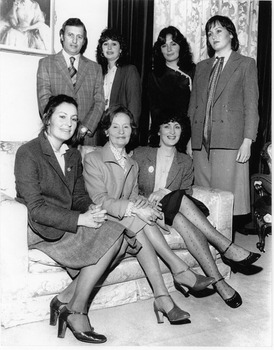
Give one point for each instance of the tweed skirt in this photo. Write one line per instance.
(74, 251)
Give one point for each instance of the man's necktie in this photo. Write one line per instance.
(72, 70)
(213, 81)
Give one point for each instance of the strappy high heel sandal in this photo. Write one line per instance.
(55, 307)
(237, 265)
(175, 315)
(87, 337)
(201, 283)
(233, 302)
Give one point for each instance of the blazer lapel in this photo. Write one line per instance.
(62, 67)
(116, 85)
(50, 156)
(82, 72)
(151, 161)
(174, 170)
(205, 78)
(230, 67)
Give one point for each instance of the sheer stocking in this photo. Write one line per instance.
(81, 287)
(197, 245)
(149, 262)
(175, 263)
(220, 242)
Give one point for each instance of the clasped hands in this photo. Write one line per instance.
(147, 211)
(94, 217)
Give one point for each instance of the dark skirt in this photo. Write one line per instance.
(85, 247)
(171, 205)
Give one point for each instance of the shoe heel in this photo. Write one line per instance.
(53, 317)
(181, 289)
(159, 314)
(62, 327)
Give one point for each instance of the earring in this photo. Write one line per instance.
(106, 134)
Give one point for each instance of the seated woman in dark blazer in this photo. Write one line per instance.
(63, 221)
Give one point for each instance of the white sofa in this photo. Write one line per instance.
(29, 279)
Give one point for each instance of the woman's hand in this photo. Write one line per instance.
(244, 151)
(147, 214)
(141, 202)
(157, 196)
(94, 217)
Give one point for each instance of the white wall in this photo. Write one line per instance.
(19, 117)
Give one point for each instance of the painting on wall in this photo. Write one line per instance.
(26, 26)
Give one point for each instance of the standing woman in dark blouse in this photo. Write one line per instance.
(170, 82)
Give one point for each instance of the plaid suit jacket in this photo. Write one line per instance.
(53, 79)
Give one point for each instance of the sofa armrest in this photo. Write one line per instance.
(13, 244)
(220, 205)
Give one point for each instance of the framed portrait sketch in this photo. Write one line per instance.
(27, 26)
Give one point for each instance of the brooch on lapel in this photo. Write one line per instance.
(151, 169)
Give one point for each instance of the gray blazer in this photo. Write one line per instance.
(53, 79)
(54, 200)
(235, 109)
(180, 175)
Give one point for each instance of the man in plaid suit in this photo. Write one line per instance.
(54, 77)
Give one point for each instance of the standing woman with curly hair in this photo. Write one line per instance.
(122, 83)
(170, 82)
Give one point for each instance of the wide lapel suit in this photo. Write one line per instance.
(53, 79)
(235, 104)
(54, 200)
(180, 175)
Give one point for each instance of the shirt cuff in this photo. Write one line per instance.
(129, 209)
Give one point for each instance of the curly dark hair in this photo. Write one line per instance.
(226, 23)
(107, 119)
(53, 103)
(185, 62)
(111, 34)
(166, 116)
(75, 22)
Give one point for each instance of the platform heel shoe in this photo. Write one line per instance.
(237, 265)
(201, 283)
(233, 302)
(87, 337)
(175, 315)
(55, 307)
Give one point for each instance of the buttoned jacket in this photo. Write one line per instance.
(180, 175)
(53, 79)
(54, 199)
(235, 105)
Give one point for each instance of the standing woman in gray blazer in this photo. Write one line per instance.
(122, 83)
(224, 115)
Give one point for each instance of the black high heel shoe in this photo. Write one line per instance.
(55, 307)
(201, 283)
(175, 315)
(87, 337)
(237, 265)
(233, 302)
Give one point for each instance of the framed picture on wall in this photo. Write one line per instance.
(27, 26)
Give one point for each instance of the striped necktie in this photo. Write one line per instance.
(213, 81)
(72, 70)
